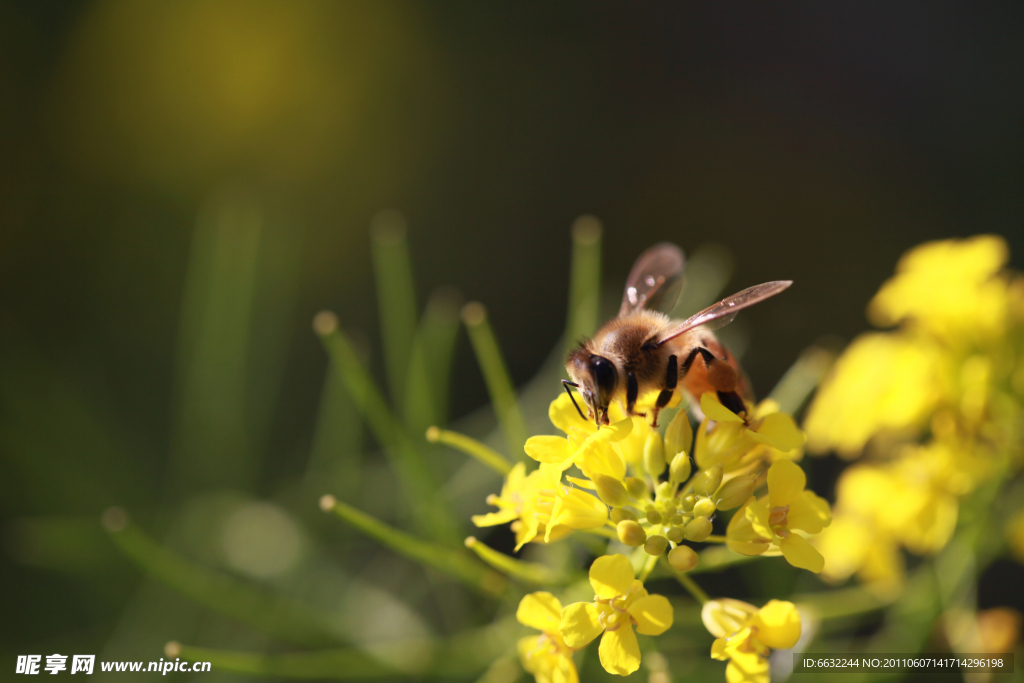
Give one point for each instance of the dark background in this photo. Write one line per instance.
(815, 141)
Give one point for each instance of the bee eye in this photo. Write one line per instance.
(606, 377)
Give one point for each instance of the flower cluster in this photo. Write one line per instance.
(658, 493)
(745, 635)
(936, 404)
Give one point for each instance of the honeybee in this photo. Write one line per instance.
(643, 350)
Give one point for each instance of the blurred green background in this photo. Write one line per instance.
(184, 185)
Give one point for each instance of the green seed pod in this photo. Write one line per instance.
(654, 455)
(705, 507)
(734, 493)
(675, 534)
(637, 488)
(631, 533)
(655, 545)
(653, 516)
(678, 435)
(689, 500)
(619, 514)
(707, 482)
(611, 491)
(698, 529)
(682, 558)
(680, 469)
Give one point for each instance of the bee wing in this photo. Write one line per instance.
(655, 279)
(724, 311)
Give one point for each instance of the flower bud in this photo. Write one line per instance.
(689, 500)
(698, 529)
(734, 493)
(707, 482)
(655, 545)
(610, 490)
(653, 516)
(682, 558)
(636, 487)
(675, 534)
(678, 435)
(679, 471)
(665, 490)
(631, 533)
(654, 455)
(619, 514)
(705, 507)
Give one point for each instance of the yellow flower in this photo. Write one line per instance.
(546, 656)
(745, 635)
(775, 519)
(948, 288)
(582, 438)
(736, 443)
(541, 507)
(620, 601)
(882, 382)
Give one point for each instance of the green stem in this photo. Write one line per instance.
(471, 447)
(715, 539)
(499, 384)
(648, 566)
(271, 614)
(529, 572)
(689, 584)
(452, 562)
(396, 296)
(431, 512)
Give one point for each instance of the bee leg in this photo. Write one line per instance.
(632, 391)
(671, 378)
(732, 401)
(722, 378)
(688, 361)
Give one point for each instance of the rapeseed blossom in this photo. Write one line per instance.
(546, 656)
(778, 517)
(644, 484)
(937, 404)
(620, 603)
(745, 635)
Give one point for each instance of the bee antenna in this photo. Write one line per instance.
(566, 383)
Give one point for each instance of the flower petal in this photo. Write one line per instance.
(576, 510)
(495, 518)
(799, 553)
(653, 615)
(725, 616)
(553, 450)
(781, 431)
(714, 409)
(757, 514)
(778, 624)
(580, 624)
(619, 651)
(541, 611)
(597, 456)
(809, 513)
(616, 431)
(747, 667)
(785, 482)
(611, 576)
(563, 415)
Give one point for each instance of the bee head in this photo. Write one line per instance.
(596, 378)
